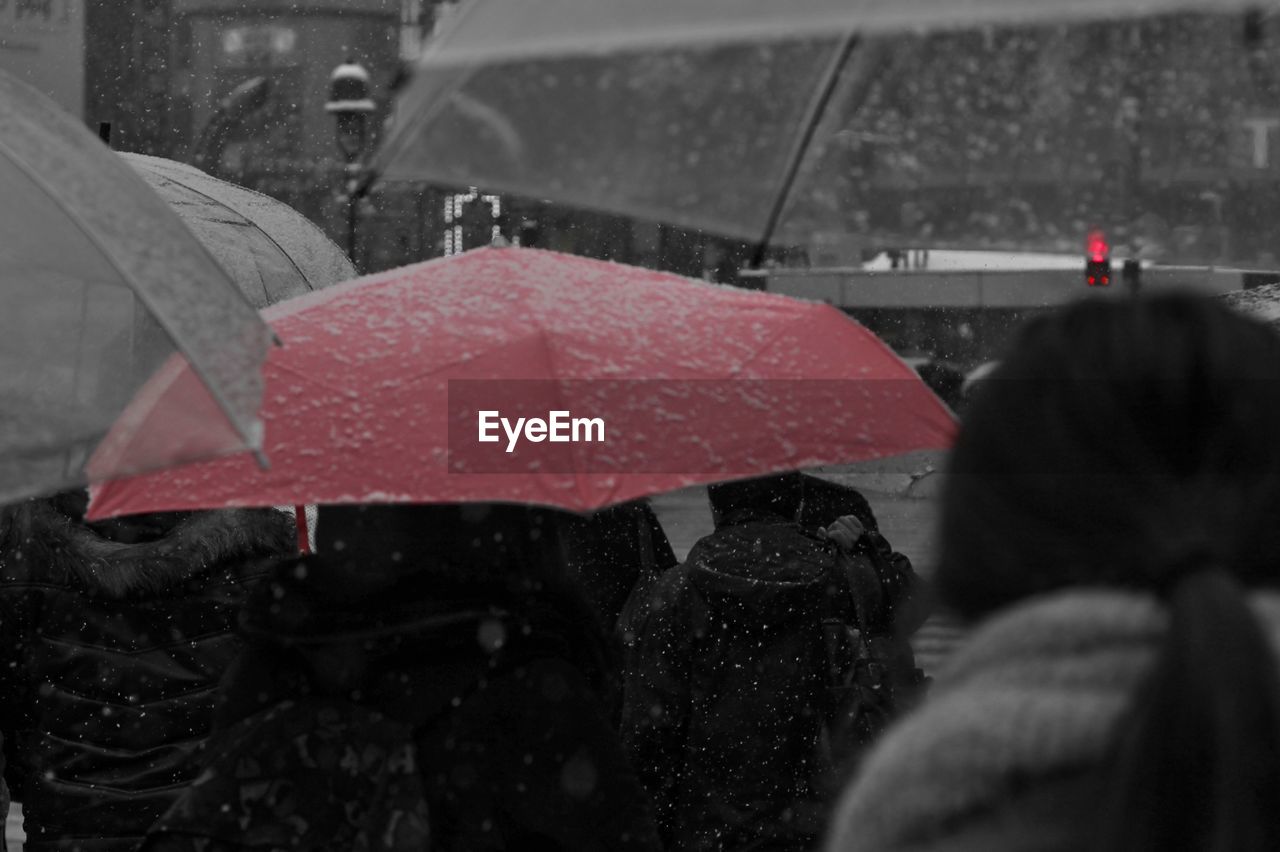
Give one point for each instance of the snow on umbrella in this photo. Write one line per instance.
(272, 251)
(380, 390)
(102, 284)
(1000, 124)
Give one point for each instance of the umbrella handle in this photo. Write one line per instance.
(300, 518)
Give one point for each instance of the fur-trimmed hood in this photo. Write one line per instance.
(39, 543)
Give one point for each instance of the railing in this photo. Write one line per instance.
(854, 287)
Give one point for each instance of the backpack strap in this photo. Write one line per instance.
(858, 582)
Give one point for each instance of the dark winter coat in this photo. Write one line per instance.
(723, 697)
(509, 729)
(907, 600)
(115, 640)
(607, 552)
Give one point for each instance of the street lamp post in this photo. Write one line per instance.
(349, 103)
(231, 112)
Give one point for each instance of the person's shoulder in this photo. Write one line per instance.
(672, 586)
(762, 550)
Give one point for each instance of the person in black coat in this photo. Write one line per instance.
(114, 639)
(907, 600)
(454, 626)
(609, 551)
(726, 686)
(884, 681)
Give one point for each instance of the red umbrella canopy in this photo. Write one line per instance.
(528, 376)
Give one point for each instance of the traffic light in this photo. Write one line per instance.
(1097, 267)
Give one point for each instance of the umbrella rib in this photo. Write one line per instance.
(261, 230)
(813, 115)
(768, 344)
(399, 139)
(163, 321)
(545, 339)
(307, 377)
(209, 255)
(611, 499)
(427, 373)
(54, 446)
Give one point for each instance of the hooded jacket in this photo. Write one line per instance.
(115, 638)
(724, 692)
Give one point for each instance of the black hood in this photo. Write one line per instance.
(38, 542)
(761, 571)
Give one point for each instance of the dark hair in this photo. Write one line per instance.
(606, 553)
(777, 494)
(944, 380)
(1133, 444)
(826, 501)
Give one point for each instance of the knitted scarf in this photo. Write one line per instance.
(1033, 697)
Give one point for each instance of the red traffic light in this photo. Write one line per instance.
(1097, 267)
(1096, 247)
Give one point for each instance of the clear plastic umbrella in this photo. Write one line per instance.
(505, 30)
(272, 251)
(1013, 125)
(102, 283)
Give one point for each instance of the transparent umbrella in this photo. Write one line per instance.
(272, 251)
(999, 124)
(102, 283)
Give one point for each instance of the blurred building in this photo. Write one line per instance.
(158, 71)
(127, 64)
(42, 43)
(286, 147)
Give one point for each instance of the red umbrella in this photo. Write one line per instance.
(528, 376)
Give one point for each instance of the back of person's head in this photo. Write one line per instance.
(454, 543)
(1133, 444)
(508, 556)
(607, 551)
(825, 502)
(944, 380)
(777, 494)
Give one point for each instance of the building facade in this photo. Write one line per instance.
(285, 147)
(42, 43)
